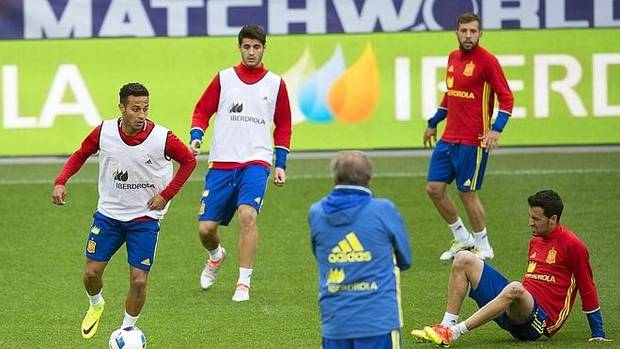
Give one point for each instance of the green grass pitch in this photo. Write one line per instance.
(41, 256)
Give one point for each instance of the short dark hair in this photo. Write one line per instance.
(549, 201)
(252, 31)
(352, 167)
(135, 89)
(468, 17)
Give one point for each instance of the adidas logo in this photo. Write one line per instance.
(148, 162)
(146, 262)
(349, 250)
(467, 183)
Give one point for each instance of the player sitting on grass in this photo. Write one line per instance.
(558, 266)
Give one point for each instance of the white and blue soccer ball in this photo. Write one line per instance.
(127, 338)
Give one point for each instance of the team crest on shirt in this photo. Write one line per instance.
(450, 81)
(90, 247)
(551, 255)
(201, 211)
(469, 69)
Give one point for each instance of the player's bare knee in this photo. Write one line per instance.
(207, 229)
(434, 191)
(462, 260)
(138, 282)
(247, 216)
(92, 273)
(513, 291)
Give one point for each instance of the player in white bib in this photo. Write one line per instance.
(252, 116)
(136, 185)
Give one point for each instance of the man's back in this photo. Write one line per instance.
(354, 239)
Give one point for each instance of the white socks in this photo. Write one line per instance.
(96, 299)
(460, 232)
(245, 276)
(449, 320)
(458, 330)
(216, 253)
(482, 241)
(129, 320)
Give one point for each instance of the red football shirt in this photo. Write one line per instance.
(473, 79)
(558, 267)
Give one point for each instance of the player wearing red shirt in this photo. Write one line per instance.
(473, 78)
(558, 267)
(135, 188)
(247, 102)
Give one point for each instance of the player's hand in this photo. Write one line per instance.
(600, 339)
(157, 203)
(430, 137)
(279, 177)
(59, 193)
(490, 140)
(194, 146)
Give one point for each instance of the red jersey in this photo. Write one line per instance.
(473, 78)
(208, 103)
(175, 149)
(558, 267)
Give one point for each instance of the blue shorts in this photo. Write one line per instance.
(491, 284)
(389, 340)
(107, 235)
(465, 163)
(225, 190)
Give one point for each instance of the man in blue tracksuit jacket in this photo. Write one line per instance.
(360, 244)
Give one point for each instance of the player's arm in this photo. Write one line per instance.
(430, 134)
(587, 290)
(177, 151)
(89, 146)
(281, 134)
(496, 78)
(400, 237)
(203, 111)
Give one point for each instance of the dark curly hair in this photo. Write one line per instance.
(135, 89)
(549, 201)
(252, 31)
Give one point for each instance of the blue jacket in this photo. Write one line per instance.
(360, 244)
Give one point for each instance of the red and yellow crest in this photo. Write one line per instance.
(469, 69)
(90, 247)
(551, 255)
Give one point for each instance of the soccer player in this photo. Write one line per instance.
(473, 77)
(360, 244)
(248, 101)
(136, 185)
(557, 268)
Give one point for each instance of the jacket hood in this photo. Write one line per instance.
(343, 204)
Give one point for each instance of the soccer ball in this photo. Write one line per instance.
(127, 338)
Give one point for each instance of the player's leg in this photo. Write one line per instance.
(104, 239)
(141, 239)
(252, 184)
(136, 296)
(216, 207)
(440, 173)
(471, 165)
(466, 273)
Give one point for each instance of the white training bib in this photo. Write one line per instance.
(244, 119)
(129, 176)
